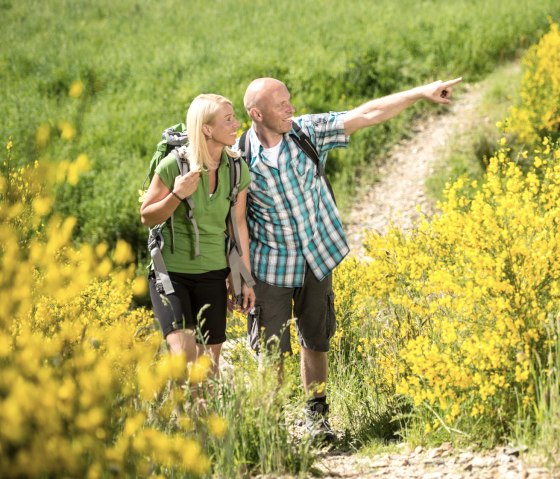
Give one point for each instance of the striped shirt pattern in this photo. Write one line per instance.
(293, 220)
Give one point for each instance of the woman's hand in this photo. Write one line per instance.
(186, 185)
(248, 299)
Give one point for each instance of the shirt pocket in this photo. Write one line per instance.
(306, 172)
(262, 191)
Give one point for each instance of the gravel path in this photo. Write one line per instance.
(401, 188)
(442, 462)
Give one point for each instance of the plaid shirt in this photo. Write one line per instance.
(292, 218)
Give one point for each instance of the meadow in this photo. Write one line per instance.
(447, 333)
(141, 63)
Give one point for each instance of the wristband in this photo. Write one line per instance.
(176, 195)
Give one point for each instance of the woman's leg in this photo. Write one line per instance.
(173, 312)
(183, 341)
(214, 350)
(210, 305)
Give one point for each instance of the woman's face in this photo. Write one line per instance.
(225, 126)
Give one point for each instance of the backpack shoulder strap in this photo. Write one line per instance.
(235, 180)
(184, 168)
(245, 146)
(304, 142)
(234, 177)
(239, 273)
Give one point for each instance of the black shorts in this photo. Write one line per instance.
(181, 309)
(311, 306)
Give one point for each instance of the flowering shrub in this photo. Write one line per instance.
(475, 293)
(538, 112)
(362, 332)
(75, 360)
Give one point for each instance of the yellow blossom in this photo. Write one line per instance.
(123, 253)
(217, 426)
(42, 136)
(139, 286)
(67, 130)
(200, 369)
(76, 89)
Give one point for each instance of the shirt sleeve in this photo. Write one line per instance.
(245, 175)
(326, 130)
(167, 170)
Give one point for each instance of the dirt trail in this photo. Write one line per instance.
(401, 188)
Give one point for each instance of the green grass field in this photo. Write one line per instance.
(142, 63)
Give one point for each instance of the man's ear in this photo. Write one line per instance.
(255, 114)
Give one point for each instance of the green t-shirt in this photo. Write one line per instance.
(210, 213)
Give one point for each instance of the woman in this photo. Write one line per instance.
(200, 280)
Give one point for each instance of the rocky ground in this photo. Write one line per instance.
(442, 462)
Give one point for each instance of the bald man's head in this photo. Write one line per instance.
(268, 103)
(259, 91)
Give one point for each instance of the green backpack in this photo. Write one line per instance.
(173, 139)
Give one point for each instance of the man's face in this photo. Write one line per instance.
(277, 110)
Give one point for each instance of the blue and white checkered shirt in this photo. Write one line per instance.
(292, 218)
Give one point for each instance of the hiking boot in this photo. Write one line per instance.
(317, 424)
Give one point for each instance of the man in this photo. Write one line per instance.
(296, 232)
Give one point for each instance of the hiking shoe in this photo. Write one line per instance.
(317, 424)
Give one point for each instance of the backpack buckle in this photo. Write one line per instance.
(159, 287)
(155, 239)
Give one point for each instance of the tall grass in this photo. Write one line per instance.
(540, 431)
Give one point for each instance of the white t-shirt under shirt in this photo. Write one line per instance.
(271, 154)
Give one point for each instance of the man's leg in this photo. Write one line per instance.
(314, 367)
(316, 323)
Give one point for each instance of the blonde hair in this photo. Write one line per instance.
(202, 111)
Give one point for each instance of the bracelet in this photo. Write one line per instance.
(176, 195)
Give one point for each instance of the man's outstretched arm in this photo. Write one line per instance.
(384, 108)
